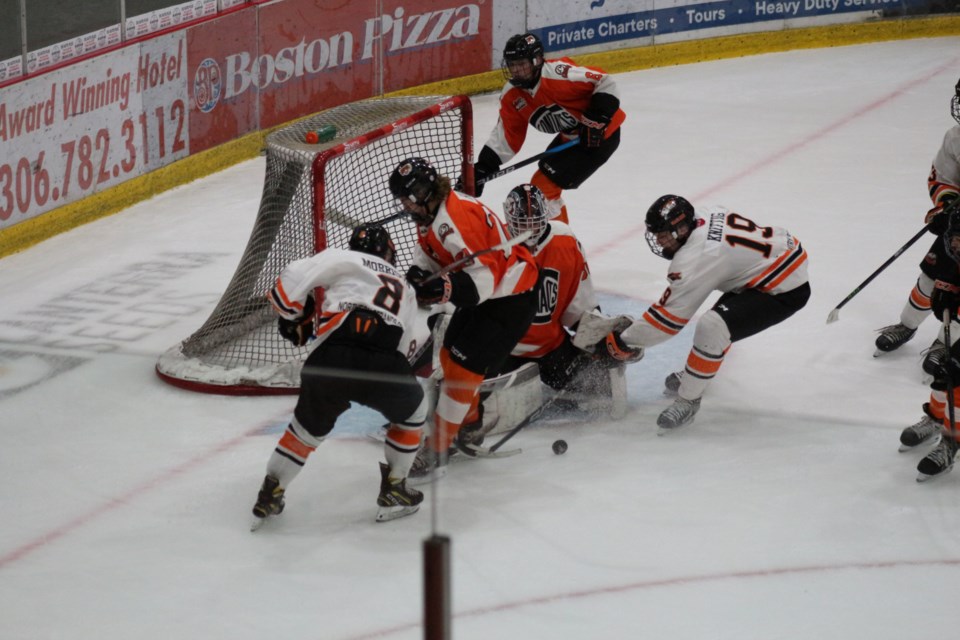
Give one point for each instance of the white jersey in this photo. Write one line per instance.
(725, 252)
(945, 173)
(351, 279)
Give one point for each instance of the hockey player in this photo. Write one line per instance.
(494, 296)
(367, 327)
(559, 97)
(944, 186)
(936, 420)
(566, 293)
(762, 272)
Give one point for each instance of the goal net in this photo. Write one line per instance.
(313, 197)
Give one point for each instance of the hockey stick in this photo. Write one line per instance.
(338, 217)
(456, 264)
(951, 409)
(523, 163)
(835, 314)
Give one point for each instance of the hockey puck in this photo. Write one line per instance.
(560, 447)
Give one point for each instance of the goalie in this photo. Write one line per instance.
(565, 294)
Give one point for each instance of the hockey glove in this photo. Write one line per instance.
(618, 350)
(488, 163)
(429, 292)
(592, 130)
(937, 217)
(945, 296)
(299, 330)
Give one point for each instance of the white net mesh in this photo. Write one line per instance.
(313, 196)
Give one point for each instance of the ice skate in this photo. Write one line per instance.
(925, 430)
(934, 357)
(396, 499)
(940, 460)
(269, 502)
(680, 413)
(427, 466)
(893, 337)
(671, 385)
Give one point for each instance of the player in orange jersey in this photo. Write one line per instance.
(553, 96)
(494, 296)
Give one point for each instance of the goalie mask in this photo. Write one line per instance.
(669, 222)
(375, 240)
(520, 50)
(525, 210)
(955, 103)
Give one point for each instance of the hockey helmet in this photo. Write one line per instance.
(951, 237)
(414, 178)
(375, 240)
(669, 214)
(955, 103)
(525, 210)
(523, 47)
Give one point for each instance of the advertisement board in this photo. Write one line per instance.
(75, 131)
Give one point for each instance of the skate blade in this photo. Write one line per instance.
(932, 440)
(922, 477)
(256, 523)
(386, 514)
(429, 478)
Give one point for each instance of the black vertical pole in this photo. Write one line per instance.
(436, 588)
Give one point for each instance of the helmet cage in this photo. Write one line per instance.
(670, 214)
(955, 104)
(522, 47)
(525, 210)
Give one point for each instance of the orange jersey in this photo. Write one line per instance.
(555, 105)
(566, 291)
(464, 225)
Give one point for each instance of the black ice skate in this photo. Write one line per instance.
(925, 430)
(940, 460)
(934, 357)
(396, 499)
(893, 337)
(427, 466)
(269, 502)
(678, 414)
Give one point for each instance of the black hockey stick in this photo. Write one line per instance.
(835, 314)
(523, 163)
(456, 264)
(951, 409)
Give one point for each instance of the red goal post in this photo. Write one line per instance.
(313, 197)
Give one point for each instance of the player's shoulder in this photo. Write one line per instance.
(951, 139)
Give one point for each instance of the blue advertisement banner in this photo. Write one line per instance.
(706, 15)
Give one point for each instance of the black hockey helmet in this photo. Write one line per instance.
(955, 103)
(375, 240)
(525, 209)
(523, 46)
(414, 178)
(669, 213)
(951, 237)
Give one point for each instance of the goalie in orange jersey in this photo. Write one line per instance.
(494, 296)
(559, 97)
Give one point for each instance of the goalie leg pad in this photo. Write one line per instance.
(512, 397)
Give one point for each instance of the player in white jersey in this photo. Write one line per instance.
(762, 272)
(367, 331)
(944, 186)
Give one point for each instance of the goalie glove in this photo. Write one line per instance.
(618, 350)
(298, 330)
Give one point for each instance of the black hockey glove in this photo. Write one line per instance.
(457, 288)
(299, 330)
(938, 218)
(592, 130)
(945, 296)
(488, 163)
(618, 350)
